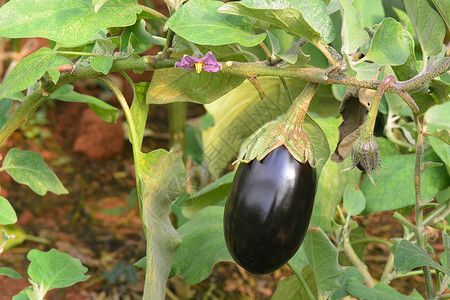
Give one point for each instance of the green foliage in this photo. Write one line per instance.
(353, 34)
(428, 25)
(29, 168)
(409, 256)
(202, 235)
(381, 291)
(199, 22)
(55, 269)
(64, 21)
(395, 187)
(27, 71)
(390, 44)
(307, 19)
(323, 259)
(210, 195)
(354, 200)
(7, 213)
(4, 271)
(106, 112)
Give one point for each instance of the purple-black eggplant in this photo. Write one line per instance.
(268, 210)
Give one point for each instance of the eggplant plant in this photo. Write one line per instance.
(297, 92)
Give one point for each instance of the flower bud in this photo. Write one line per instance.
(366, 156)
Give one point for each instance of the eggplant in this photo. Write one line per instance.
(268, 210)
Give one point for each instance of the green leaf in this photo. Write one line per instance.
(409, 256)
(144, 39)
(440, 89)
(202, 235)
(380, 291)
(98, 4)
(102, 64)
(55, 269)
(390, 45)
(438, 115)
(354, 200)
(372, 12)
(5, 106)
(353, 34)
(64, 21)
(178, 85)
(290, 288)
(163, 178)
(10, 273)
(349, 272)
(332, 180)
(395, 188)
(199, 22)
(210, 195)
(446, 243)
(428, 25)
(106, 112)
(308, 19)
(323, 259)
(298, 261)
(27, 71)
(443, 7)
(29, 168)
(7, 213)
(139, 109)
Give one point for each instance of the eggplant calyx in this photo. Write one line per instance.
(276, 134)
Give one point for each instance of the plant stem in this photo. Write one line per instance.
(297, 111)
(266, 51)
(155, 14)
(150, 63)
(288, 91)
(404, 221)
(412, 273)
(177, 124)
(132, 127)
(257, 86)
(356, 262)
(302, 282)
(165, 53)
(419, 230)
(327, 53)
(372, 240)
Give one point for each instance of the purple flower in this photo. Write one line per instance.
(207, 63)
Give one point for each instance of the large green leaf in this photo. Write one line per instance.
(106, 112)
(323, 259)
(443, 7)
(29, 168)
(55, 269)
(7, 213)
(380, 291)
(308, 19)
(372, 12)
(353, 34)
(64, 21)
(354, 200)
(349, 272)
(409, 256)
(177, 85)
(163, 179)
(27, 71)
(210, 195)
(390, 44)
(395, 188)
(290, 288)
(199, 22)
(428, 25)
(203, 245)
(332, 180)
